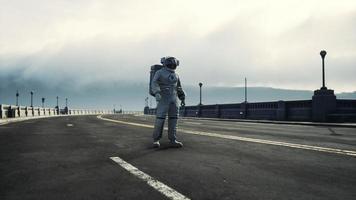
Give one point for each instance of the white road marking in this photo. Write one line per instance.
(20, 119)
(69, 125)
(246, 139)
(195, 123)
(271, 142)
(123, 122)
(159, 186)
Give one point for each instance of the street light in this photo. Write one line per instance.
(66, 111)
(31, 98)
(323, 54)
(200, 85)
(17, 98)
(43, 101)
(245, 90)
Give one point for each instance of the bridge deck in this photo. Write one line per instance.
(69, 158)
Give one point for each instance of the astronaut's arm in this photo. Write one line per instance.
(180, 92)
(154, 84)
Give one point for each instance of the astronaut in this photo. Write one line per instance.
(167, 88)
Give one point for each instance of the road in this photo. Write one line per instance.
(79, 157)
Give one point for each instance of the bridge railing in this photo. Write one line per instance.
(11, 111)
(4, 110)
(346, 106)
(300, 110)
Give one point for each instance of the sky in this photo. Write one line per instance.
(273, 43)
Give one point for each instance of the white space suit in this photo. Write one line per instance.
(167, 89)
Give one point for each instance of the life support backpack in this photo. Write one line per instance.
(154, 69)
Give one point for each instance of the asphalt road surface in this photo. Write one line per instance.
(86, 157)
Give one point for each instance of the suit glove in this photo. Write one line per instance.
(158, 97)
(182, 103)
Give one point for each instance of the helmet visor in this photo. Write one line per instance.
(172, 66)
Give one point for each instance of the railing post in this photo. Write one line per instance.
(19, 110)
(199, 112)
(2, 114)
(217, 111)
(281, 111)
(323, 103)
(243, 110)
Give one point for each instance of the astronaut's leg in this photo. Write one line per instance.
(161, 113)
(172, 128)
(157, 132)
(172, 125)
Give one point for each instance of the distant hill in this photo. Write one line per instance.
(131, 95)
(347, 95)
(212, 95)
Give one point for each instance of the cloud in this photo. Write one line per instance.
(273, 44)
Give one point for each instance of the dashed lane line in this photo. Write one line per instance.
(157, 185)
(246, 139)
(194, 123)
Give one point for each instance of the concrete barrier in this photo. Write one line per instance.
(11, 111)
(4, 111)
(22, 111)
(35, 111)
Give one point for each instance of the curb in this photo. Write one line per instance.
(20, 119)
(345, 125)
(278, 122)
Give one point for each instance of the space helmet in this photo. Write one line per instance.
(170, 62)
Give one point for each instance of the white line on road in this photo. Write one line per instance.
(159, 186)
(195, 123)
(246, 139)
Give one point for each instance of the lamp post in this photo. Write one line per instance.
(324, 100)
(43, 101)
(323, 54)
(245, 90)
(200, 85)
(31, 98)
(17, 98)
(66, 111)
(57, 101)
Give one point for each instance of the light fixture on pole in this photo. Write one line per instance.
(43, 101)
(17, 98)
(31, 98)
(245, 90)
(323, 54)
(200, 85)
